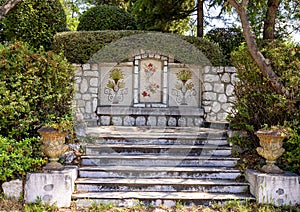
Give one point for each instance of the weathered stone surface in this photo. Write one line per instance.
(219, 88)
(211, 78)
(216, 106)
(229, 90)
(207, 86)
(84, 86)
(276, 189)
(86, 96)
(225, 78)
(54, 188)
(94, 82)
(90, 73)
(117, 120)
(86, 67)
(13, 188)
(222, 98)
(209, 96)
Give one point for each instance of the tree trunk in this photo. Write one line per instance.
(269, 23)
(263, 63)
(7, 6)
(200, 26)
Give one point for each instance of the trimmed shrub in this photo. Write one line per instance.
(258, 104)
(19, 157)
(34, 22)
(105, 17)
(79, 47)
(36, 87)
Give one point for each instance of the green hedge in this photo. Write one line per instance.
(79, 47)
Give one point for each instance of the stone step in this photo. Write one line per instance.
(136, 149)
(134, 172)
(154, 199)
(155, 132)
(157, 161)
(159, 185)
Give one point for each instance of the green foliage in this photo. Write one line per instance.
(228, 39)
(35, 22)
(35, 88)
(210, 49)
(105, 17)
(258, 104)
(165, 16)
(79, 47)
(18, 157)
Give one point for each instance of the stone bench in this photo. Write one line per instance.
(135, 116)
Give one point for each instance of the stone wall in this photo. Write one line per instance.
(218, 92)
(214, 91)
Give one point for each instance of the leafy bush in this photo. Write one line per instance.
(227, 38)
(258, 104)
(36, 87)
(18, 157)
(105, 17)
(35, 22)
(79, 47)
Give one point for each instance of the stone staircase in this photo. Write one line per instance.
(157, 165)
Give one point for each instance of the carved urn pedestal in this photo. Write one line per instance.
(271, 149)
(53, 146)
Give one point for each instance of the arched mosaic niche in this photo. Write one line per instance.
(150, 79)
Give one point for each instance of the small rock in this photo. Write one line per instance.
(13, 188)
(69, 157)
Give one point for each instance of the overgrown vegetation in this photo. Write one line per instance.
(34, 22)
(79, 47)
(257, 103)
(36, 88)
(105, 17)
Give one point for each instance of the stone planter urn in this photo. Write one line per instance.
(271, 149)
(53, 146)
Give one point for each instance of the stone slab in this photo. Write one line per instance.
(277, 189)
(13, 188)
(54, 188)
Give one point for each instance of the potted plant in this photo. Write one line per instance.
(53, 135)
(270, 140)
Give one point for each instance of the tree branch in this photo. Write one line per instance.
(7, 6)
(263, 63)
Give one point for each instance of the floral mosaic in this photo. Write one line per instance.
(115, 87)
(150, 86)
(184, 87)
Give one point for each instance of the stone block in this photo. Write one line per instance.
(54, 188)
(84, 86)
(211, 78)
(225, 78)
(209, 96)
(207, 86)
(94, 82)
(86, 67)
(90, 73)
(277, 189)
(13, 188)
(219, 88)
